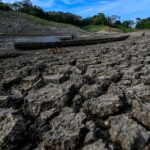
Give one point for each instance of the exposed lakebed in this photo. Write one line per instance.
(93, 97)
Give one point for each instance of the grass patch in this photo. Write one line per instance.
(96, 28)
(126, 30)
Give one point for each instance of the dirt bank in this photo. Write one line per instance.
(20, 23)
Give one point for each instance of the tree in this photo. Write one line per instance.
(118, 22)
(99, 19)
(16, 5)
(132, 24)
(138, 20)
(143, 24)
(26, 3)
(4, 6)
(113, 19)
(102, 19)
(21, 5)
(128, 23)
(65, 17)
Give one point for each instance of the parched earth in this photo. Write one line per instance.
(89, 98)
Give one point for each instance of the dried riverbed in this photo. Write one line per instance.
(91, 97)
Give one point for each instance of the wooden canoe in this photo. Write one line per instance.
(66, 43)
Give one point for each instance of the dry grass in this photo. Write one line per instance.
(56, 50)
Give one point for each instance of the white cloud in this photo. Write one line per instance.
(41, 3)
(8, 1)
(44, 3)
(72, 1)
(127, 9)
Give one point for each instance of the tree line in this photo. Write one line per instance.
(26, 6)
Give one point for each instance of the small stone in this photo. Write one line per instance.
(107, 123)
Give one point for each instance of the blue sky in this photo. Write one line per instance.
(126, 9)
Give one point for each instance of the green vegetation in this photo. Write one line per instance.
(94, 23)
(65, 17)
(99, 19)
(4, 7)
(126, 30)
(25, 6)
(96, 27)
(118, 28)
(143, 23)
(43, 22)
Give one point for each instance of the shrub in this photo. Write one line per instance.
(4, 7)
(143, 24)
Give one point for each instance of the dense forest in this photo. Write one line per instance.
(26, 6)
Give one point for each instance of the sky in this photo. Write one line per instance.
(126, 9)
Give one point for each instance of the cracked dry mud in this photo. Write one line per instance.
(91, 97)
